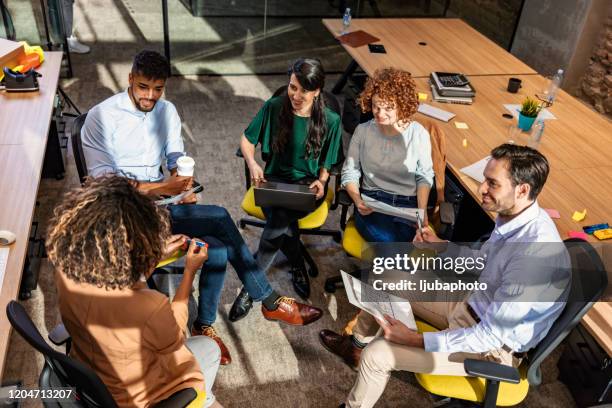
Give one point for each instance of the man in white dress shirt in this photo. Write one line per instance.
(524, 254)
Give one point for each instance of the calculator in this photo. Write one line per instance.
(452, 80)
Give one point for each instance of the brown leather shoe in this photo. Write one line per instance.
(291, 312)
(210, 331)
(342, 346)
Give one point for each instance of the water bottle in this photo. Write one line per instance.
(536, 134)
(554, 86)
(346, 20)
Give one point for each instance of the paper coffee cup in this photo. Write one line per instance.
(185, 166)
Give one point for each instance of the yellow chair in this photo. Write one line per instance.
(309, 225)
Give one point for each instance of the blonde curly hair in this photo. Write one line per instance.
(107, 233)
(395, 87)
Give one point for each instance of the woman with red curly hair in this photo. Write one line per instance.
(389, 158)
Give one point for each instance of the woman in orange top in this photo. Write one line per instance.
(104, 241)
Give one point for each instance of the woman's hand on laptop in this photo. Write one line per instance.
(257, 174)
(318, 188)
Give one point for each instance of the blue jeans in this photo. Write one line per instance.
(377, 227)
(214, 225)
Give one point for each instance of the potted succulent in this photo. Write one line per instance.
(528, 113)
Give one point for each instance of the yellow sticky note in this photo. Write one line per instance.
(464, 143)
(579, 216)
(461, 125)
(423, 96)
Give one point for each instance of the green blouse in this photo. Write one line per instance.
(293, 164)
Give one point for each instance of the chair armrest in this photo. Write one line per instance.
(179, 399)
(59, 335)
(344, 199)
(491, 371)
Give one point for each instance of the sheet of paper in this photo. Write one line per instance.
(461, 125)
(177, 198)
(544, 114)
(579, 216)
(4, 253)
(434, 112)
(407, 213)
(553, 213)
(476, 170)
(382, 302)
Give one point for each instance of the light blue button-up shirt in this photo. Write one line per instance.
(119, 138)
(526, 262)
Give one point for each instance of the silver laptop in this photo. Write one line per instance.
(291, 196)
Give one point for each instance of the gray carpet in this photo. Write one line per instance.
(274, 365)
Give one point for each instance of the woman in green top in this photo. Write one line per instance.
(300, 140)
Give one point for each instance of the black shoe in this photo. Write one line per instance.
(241, 307)
(301, 282)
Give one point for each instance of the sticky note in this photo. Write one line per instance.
(464, 143)
(603, 234)
(579, 216)
(578, 234)
(461, 125)
(552, 213)
(423, 96)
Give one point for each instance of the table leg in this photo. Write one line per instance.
(350, 70)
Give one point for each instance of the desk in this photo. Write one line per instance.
(569, 145)
(25, 120)
(452, 46)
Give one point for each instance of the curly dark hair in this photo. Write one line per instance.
(107, 233)
(151, 65)
(310, 74)
(395, 87)
(525, 165)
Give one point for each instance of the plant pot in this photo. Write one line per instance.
(525, 122)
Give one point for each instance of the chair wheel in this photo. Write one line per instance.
(313, 272)
(240, 224)
(25, 295)
(337, 238)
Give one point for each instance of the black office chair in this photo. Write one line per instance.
(495, 384)
(62, 371)
(77, 146)
(313, 271)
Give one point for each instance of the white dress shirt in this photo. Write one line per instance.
(119, 138)
(528, 274)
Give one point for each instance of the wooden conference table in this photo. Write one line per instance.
(24, 125)
(578, 143)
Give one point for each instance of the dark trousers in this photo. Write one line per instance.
(214, 225)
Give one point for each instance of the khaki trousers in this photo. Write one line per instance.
(381, 357)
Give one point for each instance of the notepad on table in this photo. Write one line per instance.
(434, 112)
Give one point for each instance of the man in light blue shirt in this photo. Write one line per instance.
(133, 133)
(523, 255)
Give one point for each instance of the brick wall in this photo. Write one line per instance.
(596, 84)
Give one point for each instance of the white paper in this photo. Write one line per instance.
(177, 198)
(434, 112)
(385, 303)
(476, 170)
(544, 114)
(407, 213)
(4, 253)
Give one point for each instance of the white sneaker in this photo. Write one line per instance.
(75, 46)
